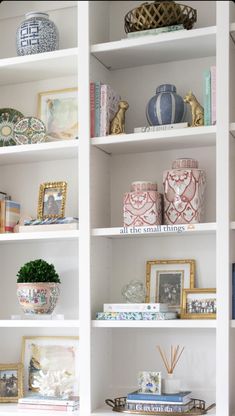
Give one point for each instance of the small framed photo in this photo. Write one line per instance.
(54, 357)
(166, 279)
(199, 304)
(59, 112)
(51, 200)
(150, 382)
(11, 382)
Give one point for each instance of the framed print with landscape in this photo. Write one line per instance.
(59, 112)
(51, 200)
(50, 357)
(166, 279)
(11, 382)
(199, 304)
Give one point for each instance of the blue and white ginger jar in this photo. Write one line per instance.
(166, 107)
(36, 34)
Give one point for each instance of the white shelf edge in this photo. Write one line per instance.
(147, 40)
(38, 147)
(61, 53)
(12, 410)
(33, 323)
(161, 230)
(43, 235)
(174, 323)
(159, 139)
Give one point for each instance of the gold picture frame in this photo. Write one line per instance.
(201, 306)
(58, 109)
(11, 382)
(51, 200)
(166, 279)
(50, 353)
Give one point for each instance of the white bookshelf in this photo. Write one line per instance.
(98, 172)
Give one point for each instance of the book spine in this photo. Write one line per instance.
(145, 129)
(12, 215)
(157, 407)
(135, 316)
(156, 397)
(62, 408)
(97, 108)
(48, 401)
(233, 291)
(213, 95)
(2, 216)
(207, 97)
(172, 28)
(103, 110)
(92, 108)
(135, 307)
(138, 401)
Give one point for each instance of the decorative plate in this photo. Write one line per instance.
(8, 118)
(29, 130)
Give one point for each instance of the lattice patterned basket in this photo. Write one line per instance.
(159, 14)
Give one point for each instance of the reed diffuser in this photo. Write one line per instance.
(171, 385)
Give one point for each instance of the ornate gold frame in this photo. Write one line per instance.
(43, 187)
(19, 368)
(186, 315)
(24, 338)
(151, 263)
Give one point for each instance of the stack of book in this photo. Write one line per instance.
(48, 224)
(135, 311)
(209, 96)
(149, 402)
(9, 213)
(47, 403)
(103, 107)
(154, 32)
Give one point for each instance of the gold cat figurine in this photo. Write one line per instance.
(196, 109)
(117, 125)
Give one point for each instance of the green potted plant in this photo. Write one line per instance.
(38, 287)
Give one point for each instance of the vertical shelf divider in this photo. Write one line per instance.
(84, 207)
(222, 208)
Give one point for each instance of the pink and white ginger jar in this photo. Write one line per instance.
(184, 188)
(38, 298)
(143, 205)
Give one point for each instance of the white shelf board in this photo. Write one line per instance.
(39, 66)
(28, 153)
(161, 230)
(11, 409)
(174, 323)
(39, 236)
(162, 140)
(166, 47)
(40, 323)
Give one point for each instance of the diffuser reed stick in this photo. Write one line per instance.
(175, 355)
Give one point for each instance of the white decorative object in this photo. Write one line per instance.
(171, 385)
(54, 384)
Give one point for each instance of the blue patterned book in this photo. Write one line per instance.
(207, 97)
(135, 316)
(181, 397)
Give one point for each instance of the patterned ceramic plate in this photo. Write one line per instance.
(8, 118)
(29, 130)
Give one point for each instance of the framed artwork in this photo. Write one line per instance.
(199, 304)
(59, 112)
(166, 279)
(11, 382)
(51, 200)
(52, 356)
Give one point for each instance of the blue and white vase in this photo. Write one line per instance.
(36, 34)
(166, 107)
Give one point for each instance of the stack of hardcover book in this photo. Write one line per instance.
(48, 224)
(103, 107)
(49, 403)
(148, 402)
(135, 311)
(9, 213)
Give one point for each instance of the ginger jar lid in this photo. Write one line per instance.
(166, 88)
(140, 186)
(36, 14)
(185, 163)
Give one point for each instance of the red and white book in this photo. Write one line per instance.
(213, 95)
(109, 100)
(57, 407)
(92, 108)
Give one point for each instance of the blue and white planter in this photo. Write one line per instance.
(37, 34)
(166, 107)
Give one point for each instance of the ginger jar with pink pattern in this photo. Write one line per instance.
(184, 188)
